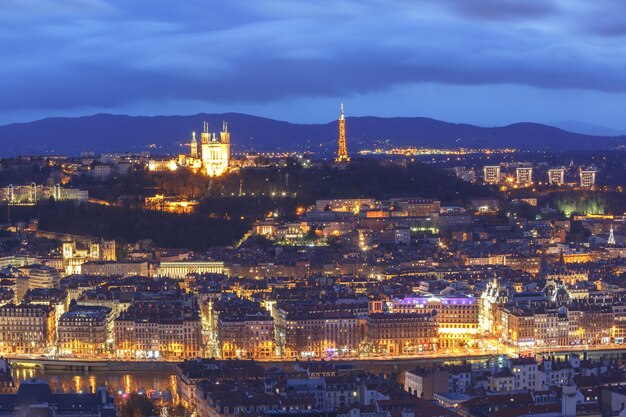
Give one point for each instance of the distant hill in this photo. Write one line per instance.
(587, 128)
(167, 134)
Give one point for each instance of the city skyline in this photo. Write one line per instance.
(492, 63)
(193, 225)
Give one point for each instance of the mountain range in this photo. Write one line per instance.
(169, 134)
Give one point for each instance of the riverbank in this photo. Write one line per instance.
(379, 364)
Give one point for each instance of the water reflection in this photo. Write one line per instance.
(150, 383)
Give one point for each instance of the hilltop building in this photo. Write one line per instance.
(215, 151)
(211, 155)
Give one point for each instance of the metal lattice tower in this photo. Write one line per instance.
(342, 151)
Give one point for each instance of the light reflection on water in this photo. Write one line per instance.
(76, 381)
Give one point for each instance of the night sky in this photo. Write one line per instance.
(488, 62)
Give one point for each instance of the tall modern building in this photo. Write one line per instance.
(587, 177)
(556, 176)
(215, 151)
(342, 151)
(524, 175)
(491, 174)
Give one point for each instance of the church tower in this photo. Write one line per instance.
(225, 134)
(342, 151)
(215, 151)
(205, 133)
(194, 145)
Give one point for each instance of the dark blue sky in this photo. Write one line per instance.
(488, 62)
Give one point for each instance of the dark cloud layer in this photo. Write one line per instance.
(109, 53)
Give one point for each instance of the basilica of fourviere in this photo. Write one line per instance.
(211, 156)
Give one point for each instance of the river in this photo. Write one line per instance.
(151, 383)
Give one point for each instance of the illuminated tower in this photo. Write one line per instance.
(611, 240)
(194, 146)
(215, 151)
(342, 151)
(225, 134)
(205, 133)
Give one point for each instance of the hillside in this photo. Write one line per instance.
(165, 134)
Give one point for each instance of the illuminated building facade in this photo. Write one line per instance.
(215, 151)
(170, 204)
(243, 336)
(26, 328)
(158, 329)
(58, 299)
(491, 174)
(524, 176)
(457, 317)
(301, 334)
(342, 150)
(117, 269)
(556, 176)
(400, 333)
(84, 330)
(591, 324)
(211, 155)
(488, 313)
(587, 177)
(180, 269)
(555, 316)
(34, 193)
(162, 165)
(74, 257)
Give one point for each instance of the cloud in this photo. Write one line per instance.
(106, 54)
(30, 9)
(505, 9)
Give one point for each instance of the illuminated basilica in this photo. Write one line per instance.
(211, 155)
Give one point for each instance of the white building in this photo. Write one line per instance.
(587, 177)
(524, 175)
(556, 176)
(180, 269)
(491, 174)
(215, 151)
